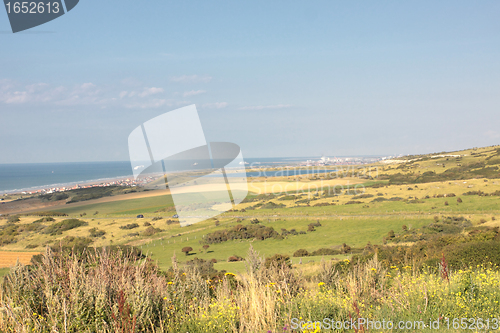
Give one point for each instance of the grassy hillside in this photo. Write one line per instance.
(389, 240)
(355, 205)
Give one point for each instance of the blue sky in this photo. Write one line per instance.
(279, 78)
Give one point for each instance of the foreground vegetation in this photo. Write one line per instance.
(105, 291)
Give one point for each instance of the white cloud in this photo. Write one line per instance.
(217, 105)
(87, 86)
(13, 93)
(144, 93)
(190, 78)
(150, 91)
(86, 93)
(16, 97)
(154, 103)
(193, 93)
(263, 107)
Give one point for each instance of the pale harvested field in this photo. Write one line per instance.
(257, 187)
(37, 205)
(282, 187)
(9, 259)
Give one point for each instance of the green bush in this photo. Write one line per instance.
(44, 219)
(59, 227)
(8, 234)
(94, 233)
(46, 213)
(13, 219)
(150, 231)
(325, 252)
(301, 253)
(129, 226)
(278, 261)
(242, 232)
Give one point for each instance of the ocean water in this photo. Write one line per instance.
(15, 177)
(31, 176)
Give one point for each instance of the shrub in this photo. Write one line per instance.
(301, 253)
(240, 231)
(44, 219)
(379, 199)
(8, 234)
(46, 213)
(13, 219)
(74, 243)
(156, 218)
(146, 224)
(187, 249)
(459, 200)
(363, 196)
(59, 227)
(129, 226)
(278, 261)
(446, 203)
(94, 233)
(151, 231)
(234, 258)
(345, 248)
(324, 252)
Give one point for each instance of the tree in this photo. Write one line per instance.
(206, 246)
(187, 249)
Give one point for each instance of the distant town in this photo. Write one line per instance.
(130, 182)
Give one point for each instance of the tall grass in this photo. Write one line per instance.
(112, 292)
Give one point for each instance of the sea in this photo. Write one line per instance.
(34, 176)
